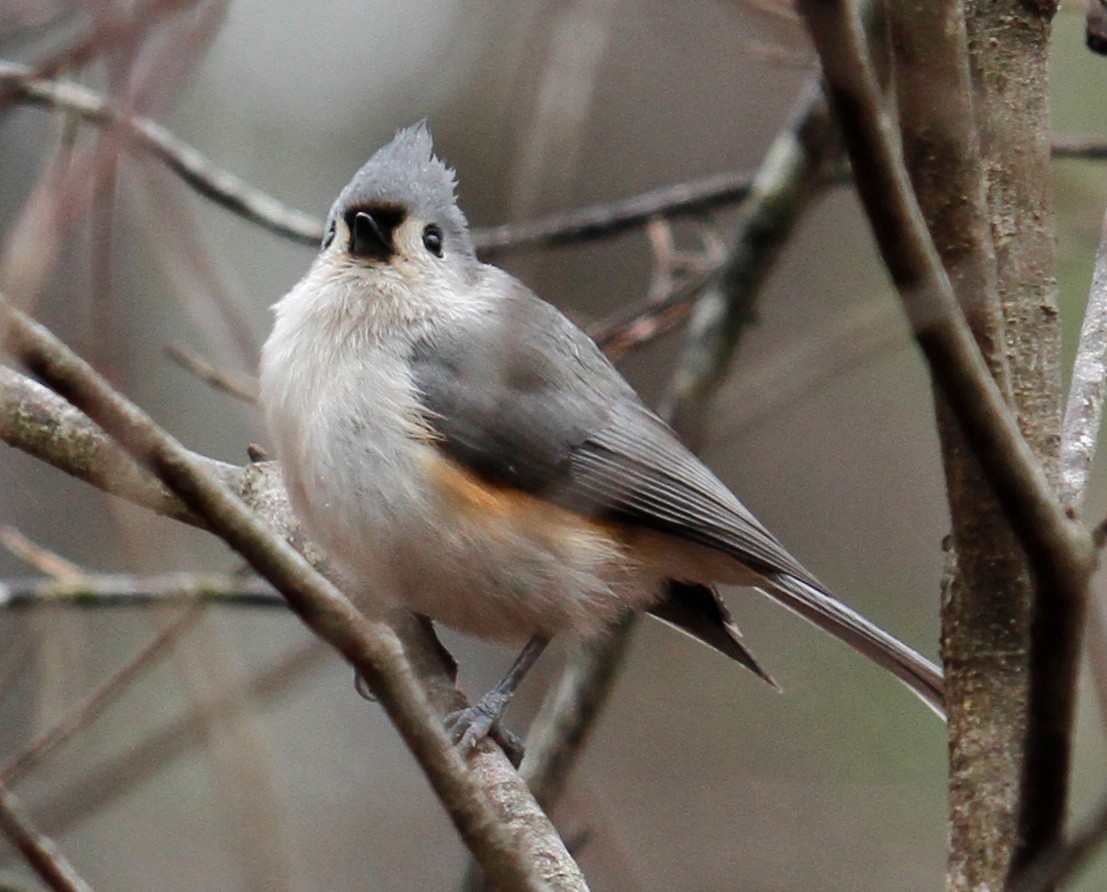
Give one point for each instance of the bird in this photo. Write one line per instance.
(460, 449)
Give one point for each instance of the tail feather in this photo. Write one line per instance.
(826, 612)
(698, 611)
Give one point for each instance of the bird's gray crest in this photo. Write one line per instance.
(405, 172)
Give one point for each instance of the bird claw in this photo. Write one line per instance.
(468, 727)
(362, 687)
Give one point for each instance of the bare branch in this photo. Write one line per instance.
(39, 851)
(601, 220)
(612, 218)
(562, 727)
(242, 387)
(792, 168)
(42, 424)
(506, 830)
(1060, 551)
(787, 182)
(97, 590)
(214, 183)
(115, 777)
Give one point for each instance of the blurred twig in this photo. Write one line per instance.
(209, 180)
(42, 559)
(1059, 862)
(113, 778)
(96, 590)
(93, 705)
(792, 162)
(677, 278)
(787, 182)
(240, 386)
(38, 850)
(612, 218)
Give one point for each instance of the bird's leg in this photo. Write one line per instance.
(468, 727)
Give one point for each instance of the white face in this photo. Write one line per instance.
(377, 250)
(386, 234)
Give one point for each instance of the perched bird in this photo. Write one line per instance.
(460, 449)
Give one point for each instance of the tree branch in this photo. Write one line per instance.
(100, 590)
(987, 592)
(782, 189)
(1060, 551)
(507, 850)
(786, 183)
(581, 224)
(38, 850)
(211, 181)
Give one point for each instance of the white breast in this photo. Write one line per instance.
(367, 483)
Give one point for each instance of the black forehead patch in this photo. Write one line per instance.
(387, 214)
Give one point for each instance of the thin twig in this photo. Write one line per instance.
(92, 706)
(209, 180)
(601, 220)
(243, 387)
(42, 559)
(97, 590)
(38, 850)
(1060, 551)
(372, 648)
(786, 183)
(1061, 861)
(608, 219)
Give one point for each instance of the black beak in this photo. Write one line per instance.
(369, 238)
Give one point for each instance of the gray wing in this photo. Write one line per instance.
(525, 399)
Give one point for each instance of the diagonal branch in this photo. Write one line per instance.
(782, 189)
(508, 854)
(211, 181)
(39, 851)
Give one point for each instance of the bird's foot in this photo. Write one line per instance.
(468, 727)
(362, 687)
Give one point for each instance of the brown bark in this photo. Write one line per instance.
(985, 609)
(1008, 48)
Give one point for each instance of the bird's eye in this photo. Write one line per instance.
(432, 239)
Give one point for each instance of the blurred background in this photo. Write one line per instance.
(244, 759)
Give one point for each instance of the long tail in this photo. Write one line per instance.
(826, 612)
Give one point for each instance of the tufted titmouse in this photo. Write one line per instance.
(460, 449)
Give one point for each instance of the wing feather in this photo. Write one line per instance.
(519, 395)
